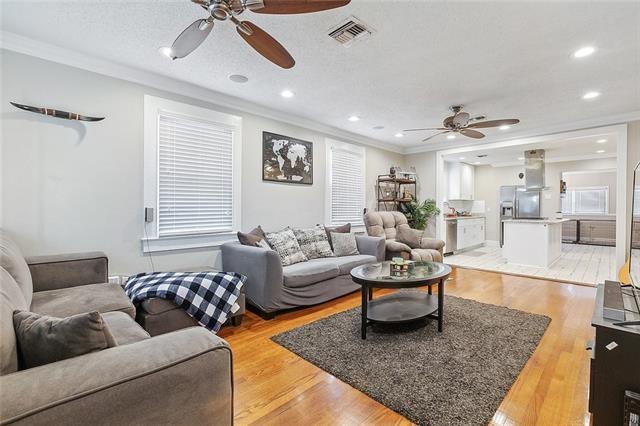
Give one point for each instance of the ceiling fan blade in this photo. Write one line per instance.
(282, 7)
(437, 134)
(426, 128)
(266, 45)
(191, 38)
(472, 133)
(494, 123)
(461, 119)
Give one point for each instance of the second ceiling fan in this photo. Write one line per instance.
(461, 122)
(263, 43)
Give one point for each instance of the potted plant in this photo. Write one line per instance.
(419, 213)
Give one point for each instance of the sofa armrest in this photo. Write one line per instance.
(374, 246)
(68, 270)
(263, 270)
(397, 247)
(432, 243)
(184, 377)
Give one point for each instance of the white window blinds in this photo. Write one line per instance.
(346, 186)
(195, 176)
(586, 201)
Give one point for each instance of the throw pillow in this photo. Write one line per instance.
(409, 236)
(43, 339)
(251, 238)
(287, 247)
(313, 242)
(344, 244)
(344, 229)
(264, 244)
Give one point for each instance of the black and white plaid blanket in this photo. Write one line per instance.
(208, 297)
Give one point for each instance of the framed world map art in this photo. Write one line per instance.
(286, 159)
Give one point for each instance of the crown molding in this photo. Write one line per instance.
(546, 131)
(31, 47)
(563, 159)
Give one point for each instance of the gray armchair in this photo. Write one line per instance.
(271, 287)
(415, 245)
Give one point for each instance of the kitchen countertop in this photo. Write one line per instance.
(464, 217)
(540, 221)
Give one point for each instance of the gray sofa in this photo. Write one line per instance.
(183, 377)
(271, 287)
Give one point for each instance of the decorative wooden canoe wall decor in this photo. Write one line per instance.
(56, 113)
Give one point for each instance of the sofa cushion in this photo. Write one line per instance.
(123, 328)
(251, 238)
(408, 236)
(313, 242)
(285, 244)
(344, 244)
(11, 299)
(43, 339)
(65, 302)
(383, 224)
(347, 263)
(310, 272)
(344, 229)
(12, 260)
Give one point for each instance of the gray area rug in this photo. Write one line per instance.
(457, 377)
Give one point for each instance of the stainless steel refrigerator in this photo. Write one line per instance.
(517, 203)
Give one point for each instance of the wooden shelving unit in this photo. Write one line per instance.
(391, 191)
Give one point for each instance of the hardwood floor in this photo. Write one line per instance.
(275, 386)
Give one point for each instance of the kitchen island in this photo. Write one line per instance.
(532, 242)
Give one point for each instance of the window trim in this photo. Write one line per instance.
(331, 144)
(151, 242)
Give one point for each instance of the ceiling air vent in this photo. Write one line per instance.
(350, 31)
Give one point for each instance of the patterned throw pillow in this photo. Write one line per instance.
(285, 244)
(313, 242)
(344, 244)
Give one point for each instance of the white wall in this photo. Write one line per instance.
(488, 180)
(69, 186)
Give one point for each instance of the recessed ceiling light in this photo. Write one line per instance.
(590, 95)
(287, 93)
(461, 158)
(378, 127)
(600, 151)
(238, 78)
(601, 141)
(584, 51)
(399, 135)
(477, 162)
(166, 51)
(504, 127)
(520, 158)
(451, 136)
(354, 118)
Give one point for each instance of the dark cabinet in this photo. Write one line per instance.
(615, 364)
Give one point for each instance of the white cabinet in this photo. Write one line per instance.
(460, 181)
(470, 232)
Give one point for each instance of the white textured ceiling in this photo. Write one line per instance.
(561, 147)
(499, 59)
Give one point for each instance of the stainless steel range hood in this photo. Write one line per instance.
(534, 170)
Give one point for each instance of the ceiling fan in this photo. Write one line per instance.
(461, 122)
(263, 43)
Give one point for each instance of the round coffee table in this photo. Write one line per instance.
(401, 307)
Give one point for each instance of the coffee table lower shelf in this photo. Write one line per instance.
(401, 307)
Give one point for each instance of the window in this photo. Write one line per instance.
(586, 200)
(345, 183)
(191, 175)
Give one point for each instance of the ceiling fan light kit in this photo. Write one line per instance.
(461, 122)
(228, 10)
